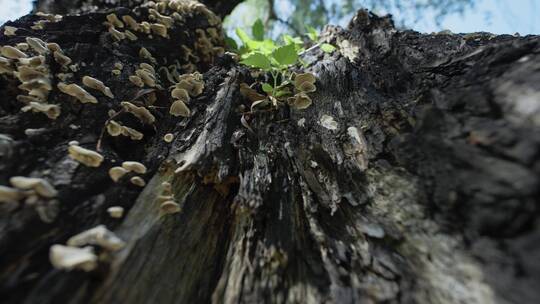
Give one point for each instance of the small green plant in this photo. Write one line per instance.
(276, 59)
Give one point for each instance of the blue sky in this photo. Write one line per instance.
(496, 16)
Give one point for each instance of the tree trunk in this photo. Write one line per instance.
(413, 177)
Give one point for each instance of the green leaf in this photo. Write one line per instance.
(283, 92)
(244, 37)
(257, 60)
(286, 55)
(312, 33)
(288, 39)
(328, 48)
(267, 88)
(231, 43)
(257, 30)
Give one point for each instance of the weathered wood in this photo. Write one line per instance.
(413, 177)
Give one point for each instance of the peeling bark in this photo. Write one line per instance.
(423, 188)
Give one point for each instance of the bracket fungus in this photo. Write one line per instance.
(37, 45)
(138, 181)
(116, 173)
(147, 67)
(114, 128)
(11, 52)
(170, 207)
(100, 236)
(115, 211)
(54, 47)
(10, 30)
(97, 85)
(23, 46)
(136, 80)
(85, 156)
(39, 185)
(132, 133)
(62, 59)
(147, 77)
(141, 113)
(116, 34)
(52, 111)
(68, 258)
(162, 19)
(130, 35)
(10, 195)
(159, 29)
(181, 94)
(300, 101)
(192, 83)
(76, 91)
(145, 54)
(134, 166)
(131, 22)
(114, 21)
(179, 108)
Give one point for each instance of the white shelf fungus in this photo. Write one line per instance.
(100, 236)
(85, 156)
(68, 258)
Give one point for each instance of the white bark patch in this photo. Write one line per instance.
(328, 122)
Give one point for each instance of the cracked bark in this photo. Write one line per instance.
(426, 190)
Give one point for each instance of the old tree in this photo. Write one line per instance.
(413, 177)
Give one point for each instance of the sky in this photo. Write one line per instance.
(496, 16)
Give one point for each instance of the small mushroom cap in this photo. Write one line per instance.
(304, 77)
(300, 101)
(40, 185)
(307, 87)
(179, 108)
(85, 156)
(116, 211)
(134, 167)
(98, 235)
(116, 173)
(168, 137)
(68, 258)
(170, 207)
(138, 181)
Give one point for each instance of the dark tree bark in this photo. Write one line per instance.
(413, 177)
